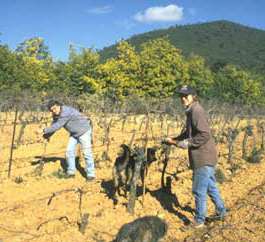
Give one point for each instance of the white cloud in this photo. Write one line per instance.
(100, 10)
(160, 14)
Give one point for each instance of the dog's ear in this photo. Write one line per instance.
(151, 155)
(125, 147)
(124, 150)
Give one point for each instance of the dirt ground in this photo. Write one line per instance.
(45, 207)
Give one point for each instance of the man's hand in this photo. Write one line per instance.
(46, 136)
(183, 144)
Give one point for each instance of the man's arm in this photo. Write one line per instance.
(57, 124)
(183, 135)
(175, 140)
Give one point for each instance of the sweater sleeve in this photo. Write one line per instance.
(201, 128)
(57, 124)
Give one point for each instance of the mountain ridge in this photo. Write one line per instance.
(219, 42)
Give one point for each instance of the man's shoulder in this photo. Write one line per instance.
(66, 110)
(197, 110)
(197, 107)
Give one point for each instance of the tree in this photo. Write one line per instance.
(162, 68)
(200, 76)
(120, 75)
(35, 63)
(9, 69)
(237, 86)
(81, 71)
(34, 47)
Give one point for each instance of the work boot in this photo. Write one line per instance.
(193, 226)
(217, 217)
(68, 176)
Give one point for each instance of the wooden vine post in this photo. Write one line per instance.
(12, 143)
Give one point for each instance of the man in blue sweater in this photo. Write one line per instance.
(80, 130)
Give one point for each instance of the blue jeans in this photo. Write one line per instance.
(203, 183)
(85, 142)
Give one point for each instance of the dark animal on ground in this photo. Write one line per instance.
(145, 229)
(124, 167)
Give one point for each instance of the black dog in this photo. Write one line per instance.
(125, 164)
(145, 229)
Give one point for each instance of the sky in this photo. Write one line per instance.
(100, 23)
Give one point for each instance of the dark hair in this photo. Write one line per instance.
(195, 98)
(52, 103)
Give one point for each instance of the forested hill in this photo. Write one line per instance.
(219, 42)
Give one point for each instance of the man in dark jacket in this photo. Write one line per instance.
(80, 131)
(198, 140)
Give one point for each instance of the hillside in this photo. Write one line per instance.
(219, 42)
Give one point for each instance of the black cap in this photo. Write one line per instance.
(186, 90)
(52, 103)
